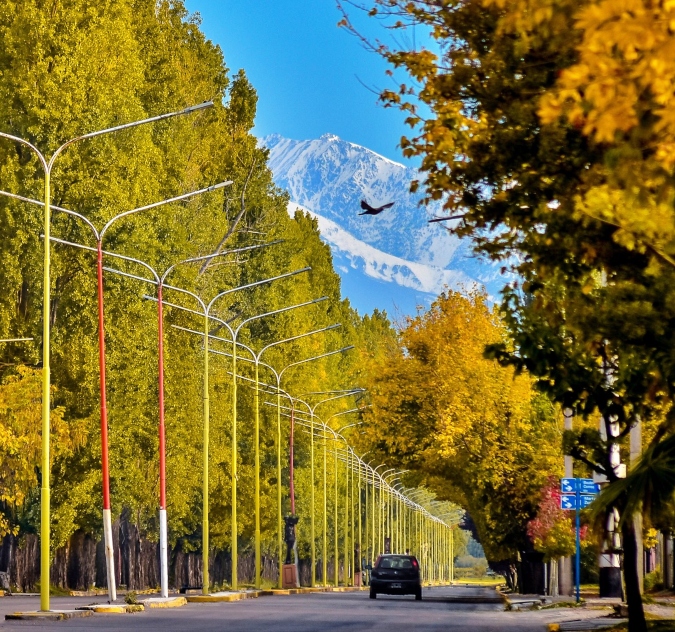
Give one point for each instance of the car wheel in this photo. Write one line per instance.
(373, 594)
(418, 595)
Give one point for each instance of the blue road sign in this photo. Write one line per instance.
(568, 485)
(586, 500)
(577, 493)
(588, 486)
(568, 501)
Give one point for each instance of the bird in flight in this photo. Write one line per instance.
(369, 210)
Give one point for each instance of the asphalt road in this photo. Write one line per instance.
(442, 609)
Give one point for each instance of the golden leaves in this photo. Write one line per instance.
(20, 439)
(624, 72)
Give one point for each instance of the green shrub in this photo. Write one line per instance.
(653, 581)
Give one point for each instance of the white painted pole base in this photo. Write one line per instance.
(109, 555)
(163, 553)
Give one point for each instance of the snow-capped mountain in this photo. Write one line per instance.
(393, 258)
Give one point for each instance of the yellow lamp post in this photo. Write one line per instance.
(393, 527)
(363, 507)
(279, 376)
(400, 518)
(378, 540)
(312, 414)
(347, 556)
(47, 167)
(386, 508)
(334, 435)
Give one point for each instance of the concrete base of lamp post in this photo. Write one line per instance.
(48, 615)
(289, 576)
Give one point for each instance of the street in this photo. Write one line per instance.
(440, 610)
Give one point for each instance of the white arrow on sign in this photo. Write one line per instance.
(568, 502)
(568, 485)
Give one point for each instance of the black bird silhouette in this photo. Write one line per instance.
(369, 210)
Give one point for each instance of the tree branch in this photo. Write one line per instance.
(237, 219)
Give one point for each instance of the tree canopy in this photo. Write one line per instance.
(474, 432)
(546, 125)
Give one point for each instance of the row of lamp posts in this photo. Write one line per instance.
(159, 280)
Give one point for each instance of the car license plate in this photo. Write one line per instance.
(395, 585)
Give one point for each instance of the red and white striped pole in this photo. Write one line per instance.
(163, 535)
(107, 523)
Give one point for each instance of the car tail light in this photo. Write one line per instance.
(414, 563)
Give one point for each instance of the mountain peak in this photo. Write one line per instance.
(330, 176)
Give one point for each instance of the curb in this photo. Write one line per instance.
(164, 602)
(226, 596)
(103, 592)
(50, 615)
(111, 608)
(218, 597)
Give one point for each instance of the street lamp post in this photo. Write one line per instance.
(279, 392)
(234, 332)
(312, 526)
(107, 525)
(377, 534)
(347, 555)
(392, 529)
(47, 167)
(385, 508)
(336, 558)
(363, 508)
(159, 279)
(326, 428)
(312, 414)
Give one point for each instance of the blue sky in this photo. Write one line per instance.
(307, 71)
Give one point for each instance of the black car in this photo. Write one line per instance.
(396, 575)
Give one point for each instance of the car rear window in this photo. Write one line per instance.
(395, 562)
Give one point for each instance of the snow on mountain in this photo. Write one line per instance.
(329, 177)
(381, 265)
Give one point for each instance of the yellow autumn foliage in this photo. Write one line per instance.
(619, 92)
(475, 432)
(21, 438)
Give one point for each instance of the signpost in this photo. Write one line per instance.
(577, 493)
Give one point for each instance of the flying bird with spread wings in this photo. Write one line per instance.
(369, 210)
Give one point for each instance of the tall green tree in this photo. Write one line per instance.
(68, 69)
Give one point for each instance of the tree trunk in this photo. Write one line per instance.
(636, 613)
(553, 580)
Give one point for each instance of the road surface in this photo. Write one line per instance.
(441, 610)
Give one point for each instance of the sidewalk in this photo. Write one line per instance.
(663, 608)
